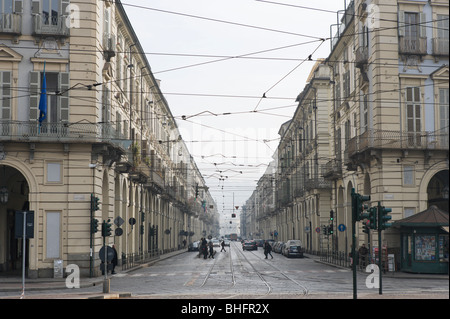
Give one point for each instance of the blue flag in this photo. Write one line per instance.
(43, 99)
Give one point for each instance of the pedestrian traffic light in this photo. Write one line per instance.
(94, 225)
(95, 202)
(106, 228)
(384, 217)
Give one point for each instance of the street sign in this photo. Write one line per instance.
(118, 221)
(118, 232)
(317, 229)
(342, 227)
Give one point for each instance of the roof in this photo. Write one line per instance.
(431, 217)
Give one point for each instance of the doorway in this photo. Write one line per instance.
(17, 189)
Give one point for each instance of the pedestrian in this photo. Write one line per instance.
(204, 248)
(114, 260)
(223, 246)
(363, 251)
(267, 249)
(211, 250)
(184, 243)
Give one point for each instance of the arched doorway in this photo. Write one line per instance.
(15, 196)
(438, 190)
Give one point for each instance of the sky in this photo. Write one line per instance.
(216, 59)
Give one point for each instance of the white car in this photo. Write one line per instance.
(216, 242)
(293, 248)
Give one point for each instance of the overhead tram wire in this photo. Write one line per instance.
(221, 21)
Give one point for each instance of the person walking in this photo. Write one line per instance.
(267, 249)
(114, 260)
(223, 246)
(211, 250)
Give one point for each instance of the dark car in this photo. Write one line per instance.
(194, 246)
(249, 245)
(259, 242)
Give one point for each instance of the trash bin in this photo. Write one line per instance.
(58, 271)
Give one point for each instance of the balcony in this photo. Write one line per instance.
(155, 182)
(399, 140)
(361, 57)
(412, 46)
(440, 47)
(50, 26)
(332, 169)
(109, 46)
(11, 23)
(17, 131)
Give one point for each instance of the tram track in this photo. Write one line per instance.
(241, 267)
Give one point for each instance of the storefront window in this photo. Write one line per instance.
(425, 247)
(443, 248)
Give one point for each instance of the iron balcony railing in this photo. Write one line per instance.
(402, 140)
(80, 132)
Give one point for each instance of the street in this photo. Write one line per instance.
(238, 274)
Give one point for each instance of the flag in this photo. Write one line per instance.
(43, 99)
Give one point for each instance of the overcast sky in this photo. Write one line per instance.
(221, 56)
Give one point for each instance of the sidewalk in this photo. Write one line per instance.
(14, 284)
(390, 274)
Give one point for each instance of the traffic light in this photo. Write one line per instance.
(373, 218)
(233, 215)
(358, 205)
(106, 228)
(384, 217)
(366, 228)
(331, 216)
(94, 225)
(95, 202)
(196, 190)
(330, 229)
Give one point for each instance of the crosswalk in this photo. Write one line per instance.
(172, 274)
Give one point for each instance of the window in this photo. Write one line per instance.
(408, 175)
(57, 105)
(409, 211)
(413, 116)
(50, 12)
(441, 45)
(54, 173)
(443, 116)
(53, 235)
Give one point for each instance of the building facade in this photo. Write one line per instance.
(384, 110)
(108, 134)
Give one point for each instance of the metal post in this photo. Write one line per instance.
(354, 244)
(380, 291)
(105, 281)
(24, 252)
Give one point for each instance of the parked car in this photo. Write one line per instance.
(259, 242)
(249, 245)
(293, 248)
(278, 247)
(194, 246)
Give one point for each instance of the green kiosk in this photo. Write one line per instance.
(424, 242)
